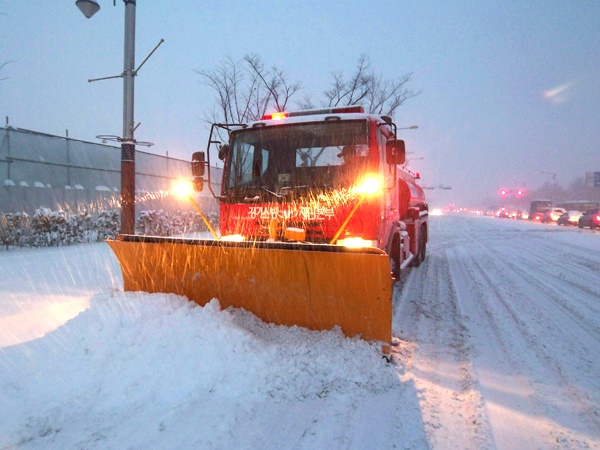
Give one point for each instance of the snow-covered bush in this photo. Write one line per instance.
(41, 228)
(57, 228)
(163, 223)
(47, 228)
(12, 229)
(154, 223)
(106, 225)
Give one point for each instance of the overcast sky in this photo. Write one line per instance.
(510, 88)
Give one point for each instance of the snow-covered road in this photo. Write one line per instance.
(497, 345)
(500, 332)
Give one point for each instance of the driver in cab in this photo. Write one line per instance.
(354, 159)
(354, 154)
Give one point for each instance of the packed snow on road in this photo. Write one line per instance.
(496, 345)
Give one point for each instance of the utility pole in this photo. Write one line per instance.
(128, 142)
(553, 185)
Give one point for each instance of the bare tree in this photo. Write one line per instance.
(367, 88)
(2, 67)
(246, 90)
(275, 81)
(306, 102)
(234, 98)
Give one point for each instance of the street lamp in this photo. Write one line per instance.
(441, 186)
(89, 8)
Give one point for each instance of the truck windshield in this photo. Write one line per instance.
(284, 159)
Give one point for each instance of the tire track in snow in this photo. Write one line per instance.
(568, 298)
(575, 290)
(557, 310)
(512, 332)
(574, 266)
(496, 362)
(434, 348)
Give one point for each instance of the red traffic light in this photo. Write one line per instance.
(520, 192)
(504, 192)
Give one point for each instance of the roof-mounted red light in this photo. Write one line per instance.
(342, 110)
(311, 112)
(348, 109)
(275, 116)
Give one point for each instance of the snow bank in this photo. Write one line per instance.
(147, 371)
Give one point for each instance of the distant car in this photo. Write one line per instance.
(539, 216)
(524, 215)
(569, 218)
(502, 214)
(591, 218)
(553, 214)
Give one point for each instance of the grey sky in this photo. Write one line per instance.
(509, 88)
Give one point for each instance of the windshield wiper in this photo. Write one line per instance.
(254, 194)
(272, 193)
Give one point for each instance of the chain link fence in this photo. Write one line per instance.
(39, 170)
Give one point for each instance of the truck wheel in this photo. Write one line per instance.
(416, 262)
(395, 258)
(420, 257)
(423, 252)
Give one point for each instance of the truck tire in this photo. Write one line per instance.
(423, 251)
(420, 256)
(395, 258)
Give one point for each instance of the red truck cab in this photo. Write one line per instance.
(330, 176)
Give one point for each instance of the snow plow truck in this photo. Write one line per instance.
(318, 217)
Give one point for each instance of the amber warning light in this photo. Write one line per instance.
(275, 116)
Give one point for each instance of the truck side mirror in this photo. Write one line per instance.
(198, 169)
(223, 151)
(198, 184)
(198, 164)
(395, 152)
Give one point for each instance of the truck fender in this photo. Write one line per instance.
(395, 228)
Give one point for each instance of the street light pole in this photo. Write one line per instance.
(553, 184)
(128, 142)
(89, 8)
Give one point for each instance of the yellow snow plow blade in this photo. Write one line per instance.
(312, 286)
